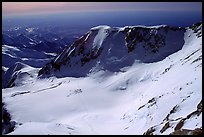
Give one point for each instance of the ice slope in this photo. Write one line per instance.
(139, 98)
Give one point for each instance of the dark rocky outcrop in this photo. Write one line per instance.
(7, 124)
(150, 131)
(197, 131)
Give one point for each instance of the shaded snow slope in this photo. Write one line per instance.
(157, 97)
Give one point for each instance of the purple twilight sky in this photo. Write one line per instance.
(33, 8)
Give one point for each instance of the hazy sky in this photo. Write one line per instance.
(26, 8)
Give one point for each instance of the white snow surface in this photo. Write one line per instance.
(107, 102)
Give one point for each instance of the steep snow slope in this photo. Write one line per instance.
(156, 95)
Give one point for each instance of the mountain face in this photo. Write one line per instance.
(133, 80)
(115, 48)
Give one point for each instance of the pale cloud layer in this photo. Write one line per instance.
(18, 8)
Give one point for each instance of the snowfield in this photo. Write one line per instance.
(138, 97)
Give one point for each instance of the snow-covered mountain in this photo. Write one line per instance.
(114, 48)
(130, 80)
